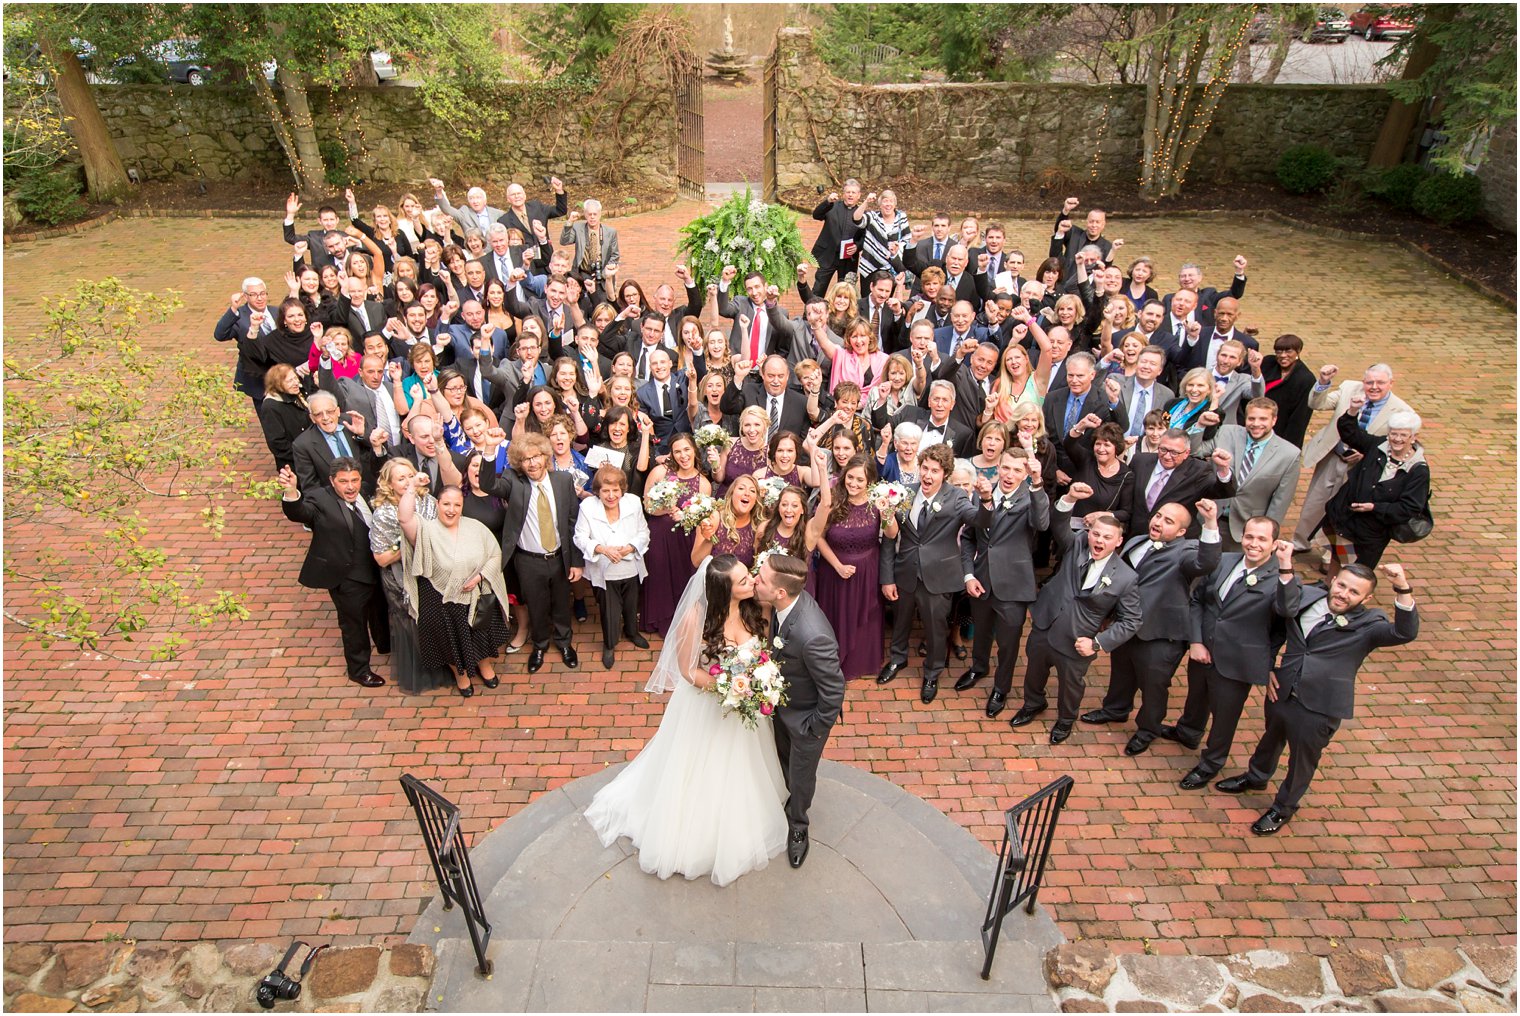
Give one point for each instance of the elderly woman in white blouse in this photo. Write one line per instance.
(614, 537)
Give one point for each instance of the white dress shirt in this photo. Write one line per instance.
(528, 540)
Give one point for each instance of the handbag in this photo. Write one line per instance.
(486, 603)
(1416, 529)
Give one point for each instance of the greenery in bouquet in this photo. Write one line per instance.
(750, 235)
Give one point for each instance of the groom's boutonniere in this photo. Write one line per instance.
(779, 642)
(1251, 580)
(934, 506)
(1340, 621)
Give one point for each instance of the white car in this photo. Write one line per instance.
(379, 59)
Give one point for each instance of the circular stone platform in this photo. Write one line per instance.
(884, 916)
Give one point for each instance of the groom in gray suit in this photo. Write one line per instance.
(808, 655)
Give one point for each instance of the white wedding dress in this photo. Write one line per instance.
(706, 795)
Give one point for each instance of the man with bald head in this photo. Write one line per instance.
(1066, 242)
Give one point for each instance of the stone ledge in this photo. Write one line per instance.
(1477, 977)
(130, 977)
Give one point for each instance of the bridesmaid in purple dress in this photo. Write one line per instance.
(748, 453)
(783, 461)
(848, 588)
(790, 530)
(732, 529)
(669, 557)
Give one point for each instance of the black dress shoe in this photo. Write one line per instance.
(639, 641)
(888, 672)
(796, 849)
(368, 679)
(535, 660)
(1099, 716)
(1138, 744)
(1060, 732)
(929, 690)
(995, 703)
(1240, 784)
(1026, 714)
(1171, 733)
(969, 679)
(1271, 820)
(567, 653)
(1196, 779)
(607, 659)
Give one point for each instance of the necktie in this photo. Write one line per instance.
(1073, 410)
(923, 514)
(1223, 379)
(340, 444)
(754, 338)
(267, 325)
(593, 246)
(364, 316)
(548, 538)
(1327, 619)
(1233, 581)
(939, 249)
(665, 399)
(1153, 492)
(503, 268)
(1253, 449)
(1142, 406)
(1366, 415)
(775, 414)
(643, 363)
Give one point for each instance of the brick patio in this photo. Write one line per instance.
(248, 791)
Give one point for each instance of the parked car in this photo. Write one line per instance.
(1330, 25)
(1373, 24)
(379, 59)
(182, 59)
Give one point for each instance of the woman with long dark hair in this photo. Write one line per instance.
(671, 566)
(848, 590)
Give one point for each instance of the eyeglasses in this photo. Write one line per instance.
(1171, 453)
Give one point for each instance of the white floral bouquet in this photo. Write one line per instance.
(748, 234)
(664, 495)
(748, 681)
(711, 435)
(770, 490)
(694, 510)
(888, 498)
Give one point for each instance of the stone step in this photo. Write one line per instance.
(571, 975)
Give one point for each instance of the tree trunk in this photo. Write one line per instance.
(103, 169)
(1404, 117)
(1281, 42)
(306, 157)
(277, 119)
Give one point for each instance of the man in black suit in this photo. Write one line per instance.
(422, 445)
(760, 326)
(973, 380)
(837, 247)
(643, 344)
(884, 312)
(663, 300)
(1170, 475)
(339, 560)
(553, 310)
(247, 311)
(531, 216)
(316, 239)
(365, 316)
(921, 570)
(1190, 277)
(966, 281)
(931, 249)
(335, 435)
(540, 518)
(1067, 405)
(1314, 686)
(1165, 564)
(934, 417)
(1235, 626)
(998, 556)
(1065, 242)
(1092, 588)
(1226, 311)
(663, 400)
(773, 391)
(502, 261)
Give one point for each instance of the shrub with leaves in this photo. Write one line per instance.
(750, 235)
(1304, 169)
(95, 430)
(1449, 198)
(51, 196)
(1396, 185)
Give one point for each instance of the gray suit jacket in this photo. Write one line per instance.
(999, 553)
(931, 555)
(1067, 612)
(1240, 389)
(1164, 575)
(575, 234)
(809, 660)
(1269, 488)
(1242, 631)
(1321, 669)
(1161, 397)
(467, 218)
(778, 333)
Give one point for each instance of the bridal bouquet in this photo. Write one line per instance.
(710, 435)
(888, 498)
(693, 511)
(664, 495)
(770, 490)
(748, 681)
(747, 234)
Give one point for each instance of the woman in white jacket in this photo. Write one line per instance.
(614, 537)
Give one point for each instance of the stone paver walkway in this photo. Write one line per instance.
(249, 792)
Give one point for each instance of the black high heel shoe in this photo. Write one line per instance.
(468, 691)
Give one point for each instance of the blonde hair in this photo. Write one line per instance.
(1197, 374)
(384, 494)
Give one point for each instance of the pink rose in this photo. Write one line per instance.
(715, 670)
(765, 709)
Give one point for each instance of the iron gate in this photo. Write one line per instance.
(768, 131)
(691, 151)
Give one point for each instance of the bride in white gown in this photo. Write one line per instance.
(706, 794)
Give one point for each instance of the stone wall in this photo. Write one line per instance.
(1498, 177)
(178, 132)
(1010, 133)
(1090, 977)
(128, 977)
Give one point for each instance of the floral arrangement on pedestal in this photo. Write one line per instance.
(750, 235)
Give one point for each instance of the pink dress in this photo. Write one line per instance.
(849, 367)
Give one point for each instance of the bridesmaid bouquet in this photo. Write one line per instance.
(888, 498)
(694, 511)
(770, 490)
(664, 495)
(748, 681)
(710, 435)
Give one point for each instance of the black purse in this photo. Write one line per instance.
(483, 608)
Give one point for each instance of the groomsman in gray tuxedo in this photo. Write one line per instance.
(1266, 473)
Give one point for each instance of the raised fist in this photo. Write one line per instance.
(287, 477)
(1222, 459)
(1070, 205)
(1327, 373)
(1240, 264)
(436, 184)
(1079, 491)
(729, 272)
(1208, 511)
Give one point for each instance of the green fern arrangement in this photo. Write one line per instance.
(750, 235)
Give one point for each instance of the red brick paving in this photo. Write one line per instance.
(247, 791)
